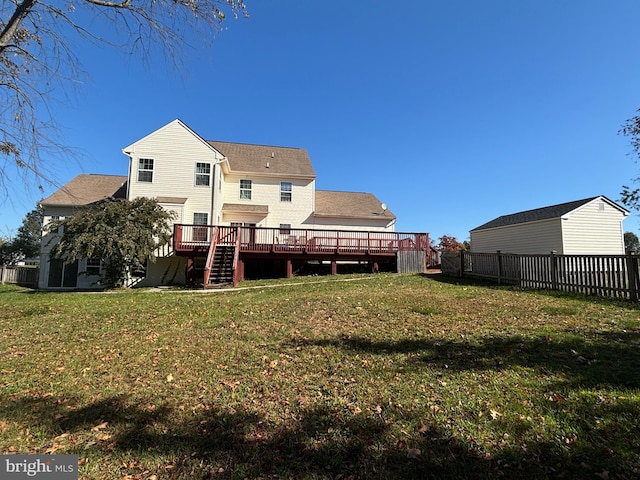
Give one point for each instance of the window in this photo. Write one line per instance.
(60, 229)
(93, 266)
(203, 174)
(285, 191)
(285, 228)
(245, 189)
(200, 234)
(145, 170)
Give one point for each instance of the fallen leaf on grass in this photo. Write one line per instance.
(100, 426)
(414, 453)
(494, 414)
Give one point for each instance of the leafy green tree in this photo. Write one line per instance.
(631, 128)
(26, 244)
(631, 243)
(29, 237)
(38, 61)
(124, 234)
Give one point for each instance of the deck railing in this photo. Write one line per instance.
(196, 238)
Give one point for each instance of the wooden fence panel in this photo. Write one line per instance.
(411, 262)
(614, 276)
(23, 276)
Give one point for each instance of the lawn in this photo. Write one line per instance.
(384, 376)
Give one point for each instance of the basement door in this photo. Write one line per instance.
(62, 274)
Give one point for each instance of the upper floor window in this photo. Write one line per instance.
(245, 189)
(60, 229)
(203, 174)
(145, 170)
(285, 191)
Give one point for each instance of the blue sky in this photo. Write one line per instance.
(452, 113)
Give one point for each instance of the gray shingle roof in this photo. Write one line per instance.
(88, 188)
(255, 158)
(350, 204)
(537, 214)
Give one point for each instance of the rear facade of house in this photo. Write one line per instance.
(259, 200)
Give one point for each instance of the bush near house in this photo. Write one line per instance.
(385, 376)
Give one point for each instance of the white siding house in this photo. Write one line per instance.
(214, 183)
(582, 227)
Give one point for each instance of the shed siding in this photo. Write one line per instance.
(596, 228)
(527, 238)
(175, 151)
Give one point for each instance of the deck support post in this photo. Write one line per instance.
(190, 272)
(334, 267)
(289, 268)
(239, 275)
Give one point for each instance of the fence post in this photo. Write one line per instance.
(461, 263)
(554, 270)
(3, 274)
(632, 268)
(499, 260)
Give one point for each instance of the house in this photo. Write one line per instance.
(589, 226)
(264, 195)
(81, 191)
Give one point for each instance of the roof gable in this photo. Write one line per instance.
(86, 189)
(264, 159)
(544, 213)
(128, 150)
(350, 204)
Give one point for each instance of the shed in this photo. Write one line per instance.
(582, 227)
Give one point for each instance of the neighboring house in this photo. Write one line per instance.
(582, 227)
(214, 183)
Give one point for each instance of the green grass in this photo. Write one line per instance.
(385, 376)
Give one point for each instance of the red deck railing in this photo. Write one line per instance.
(195, 240)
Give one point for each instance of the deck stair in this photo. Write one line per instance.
(222, 268)
(222, 259)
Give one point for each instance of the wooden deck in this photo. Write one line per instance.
(195, 240)
(401, 252)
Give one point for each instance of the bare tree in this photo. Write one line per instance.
(37, 59)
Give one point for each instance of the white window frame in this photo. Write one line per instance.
(285, 229)
(201, 234)
(60, 229)
(246, 186)
(203, 178)
(91, 264)
(145, 167)
(286, 191)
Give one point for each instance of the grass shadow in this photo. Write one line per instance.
(320, 442)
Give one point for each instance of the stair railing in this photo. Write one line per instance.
(211, 255)
(236, 273)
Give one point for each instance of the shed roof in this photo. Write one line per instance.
(331, 203)
(544, 213)
(266, 159)
(88, 188)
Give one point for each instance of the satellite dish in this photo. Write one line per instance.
(384, 207)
